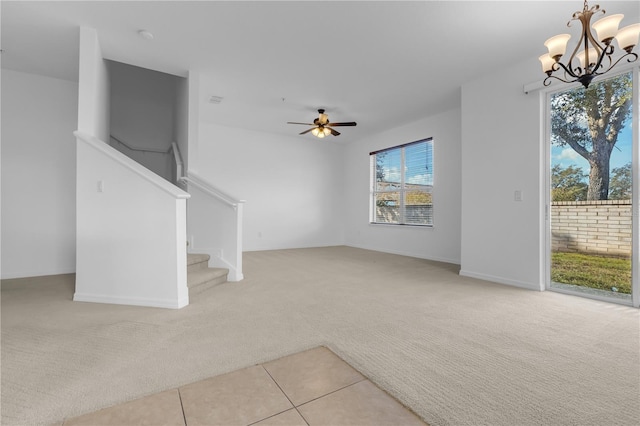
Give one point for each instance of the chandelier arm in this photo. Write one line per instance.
(599, 48)
(586, 38)
(547, 81)
(634, 57)
(575, 51)
(566, 71)
(601, 51)
(608, 51)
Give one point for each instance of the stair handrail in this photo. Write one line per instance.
(197, 181)
(136, 148)
(178, 159)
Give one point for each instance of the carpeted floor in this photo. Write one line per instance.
(456, 350)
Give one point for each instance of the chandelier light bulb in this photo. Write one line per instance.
(607, 28)
(557, 45)
(547, 63)
(593, 58)
(628, 37)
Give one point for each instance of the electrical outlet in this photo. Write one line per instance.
(517, 195)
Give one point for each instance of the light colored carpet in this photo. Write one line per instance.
(456, 350)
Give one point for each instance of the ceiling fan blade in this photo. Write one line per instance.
(350, 123)
(334, 132)
(307, 131)
(305, 124)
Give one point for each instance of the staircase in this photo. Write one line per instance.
(200, 277)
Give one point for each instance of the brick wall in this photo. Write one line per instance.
(597, 227)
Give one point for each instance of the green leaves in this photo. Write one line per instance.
(589, 121)
(568, 184)
(620, 184)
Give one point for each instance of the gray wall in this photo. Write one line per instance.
(143, 114)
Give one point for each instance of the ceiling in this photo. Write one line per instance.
(380, 63)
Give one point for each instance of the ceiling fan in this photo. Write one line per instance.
(323, 127)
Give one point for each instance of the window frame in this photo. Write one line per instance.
(402, 191)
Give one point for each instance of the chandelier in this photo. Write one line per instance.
(592, 56)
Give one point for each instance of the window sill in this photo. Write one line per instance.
(401, 225)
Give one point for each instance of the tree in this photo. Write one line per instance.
(589, 121)
(568, 184)
(380, 175)
(382, 200)
(620, 186)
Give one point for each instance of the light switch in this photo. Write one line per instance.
(517, 195)
(100, 186)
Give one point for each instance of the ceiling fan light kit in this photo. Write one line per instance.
(593, 55)
(320, 132)
(323, 127)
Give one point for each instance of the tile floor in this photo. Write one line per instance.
(314, 387)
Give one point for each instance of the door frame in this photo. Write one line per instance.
(546, 193)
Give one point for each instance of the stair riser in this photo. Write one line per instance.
(200, 277)
(197, 289)
(197, 266)
(217, 280)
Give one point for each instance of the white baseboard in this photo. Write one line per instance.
(234, 276)
(135, 301)
(29, 274)
(499, 280)
(404, 253)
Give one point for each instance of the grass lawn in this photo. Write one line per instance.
(592, 271)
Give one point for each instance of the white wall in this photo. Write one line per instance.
(501, 153)
(130, 223)
(293, 185)
(143, 106)
(131, 232)
(93, 87)
(38, 175)
(442, 241)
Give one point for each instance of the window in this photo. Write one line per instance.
(402, 183)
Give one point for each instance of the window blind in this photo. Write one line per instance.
(402, 184)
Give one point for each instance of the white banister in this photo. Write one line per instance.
(131, 228)
(206, 187)
(215, 229)
(132, 165)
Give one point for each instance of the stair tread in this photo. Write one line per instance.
(202, 276)
(193, 258)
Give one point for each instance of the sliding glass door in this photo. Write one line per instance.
(593, 174)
